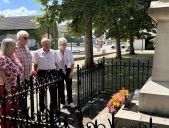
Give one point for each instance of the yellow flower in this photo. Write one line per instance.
(116, 104)
(123, 92)
(112, 100)
(117, 100)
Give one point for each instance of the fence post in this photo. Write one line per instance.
(4, 120)
(31, 96)
(51, 115)
(78, 89)
(25, 102)
(111, 122)
(91, 84)
(138, 69)
(151, 125)
(103, 76)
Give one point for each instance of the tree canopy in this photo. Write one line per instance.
(121, 19)
(124, 20)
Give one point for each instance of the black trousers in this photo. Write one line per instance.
(68, 86)
(45, 76)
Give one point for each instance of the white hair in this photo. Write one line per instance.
(44, 40)
(6, 44)
(22, 33)
(62, 41)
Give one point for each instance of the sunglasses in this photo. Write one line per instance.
(25, 38)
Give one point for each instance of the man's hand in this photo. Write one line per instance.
(60, 78)
(70, 75)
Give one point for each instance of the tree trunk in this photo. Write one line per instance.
(118, 49)
(88, 36)
(55, 35)
(131, 40)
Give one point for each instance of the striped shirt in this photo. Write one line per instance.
(24, 55)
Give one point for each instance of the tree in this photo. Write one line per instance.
(124, 20)
(138, 23)
(111, 19)
(49, 19)
(70, 38)
(1, 16)
(81, 13)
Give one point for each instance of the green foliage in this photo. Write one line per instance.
(1, 17)
(124, 19)
(49, 20)
(153, 40)
(70, 38)
(36, 34)
(43, 2)
(121, 19)
(139, 24)
(150, 46)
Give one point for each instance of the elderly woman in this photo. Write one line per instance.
(66, 67)
(10, 68)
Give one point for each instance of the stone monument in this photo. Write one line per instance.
(154, 96)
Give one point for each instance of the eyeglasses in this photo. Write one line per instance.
(64, 44)
(25, 38)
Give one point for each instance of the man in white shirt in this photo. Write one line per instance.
(45, 63)
(66, 67)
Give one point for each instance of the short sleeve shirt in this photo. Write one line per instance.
(45, 60)
(12, 69)
(24, 56)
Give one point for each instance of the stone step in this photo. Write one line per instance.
(132, 116)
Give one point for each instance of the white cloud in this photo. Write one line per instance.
(22, 11)
(6, 1)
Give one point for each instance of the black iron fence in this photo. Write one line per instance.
(113, 123)
(100, 77)
(14, 114)
(90, 81)
(110, 75)
(128, 74)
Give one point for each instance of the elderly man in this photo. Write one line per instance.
(45, 63)
(23, 54)
(66, 67)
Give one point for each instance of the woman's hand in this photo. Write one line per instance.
(8, 88)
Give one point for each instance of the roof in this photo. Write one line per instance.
(18, 23)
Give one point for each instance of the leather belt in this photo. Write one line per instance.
(48, 70)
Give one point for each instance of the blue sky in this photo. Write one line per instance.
(20, 7)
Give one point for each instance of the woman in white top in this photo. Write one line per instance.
(66, 67)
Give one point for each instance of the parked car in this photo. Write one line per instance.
(122, 45)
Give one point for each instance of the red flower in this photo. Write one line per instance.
(14, 70)
(13, 79)
(34, 73)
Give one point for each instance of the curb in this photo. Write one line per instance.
(98, 55)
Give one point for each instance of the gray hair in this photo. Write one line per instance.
(44, 40)
(62, 41)
(22, 33)
(6, 44)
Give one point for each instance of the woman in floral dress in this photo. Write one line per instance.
(10, 68)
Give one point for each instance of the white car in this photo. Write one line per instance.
(123, 45)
